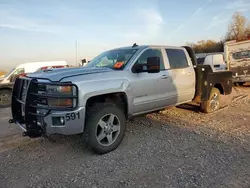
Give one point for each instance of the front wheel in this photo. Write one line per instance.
(5, 98)
(106, 124)
(213, 103)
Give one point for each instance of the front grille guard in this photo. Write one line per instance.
(35, 95)
(25, 106)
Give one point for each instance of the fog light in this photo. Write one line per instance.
(62, 120)
(59, 121)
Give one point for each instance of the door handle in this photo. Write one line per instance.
(189, 73)
(164, 76)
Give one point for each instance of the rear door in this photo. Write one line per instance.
(151, 90)
(182, 73)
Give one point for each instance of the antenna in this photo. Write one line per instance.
(134, 45)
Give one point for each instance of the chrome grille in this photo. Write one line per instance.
(41, 89)
(41, 101)
(24, 90)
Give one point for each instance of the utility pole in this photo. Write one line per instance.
(76, 52)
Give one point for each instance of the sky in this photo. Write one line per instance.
(35, 30)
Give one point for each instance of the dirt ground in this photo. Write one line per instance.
(178, 147)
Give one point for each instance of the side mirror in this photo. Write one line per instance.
(153, 65)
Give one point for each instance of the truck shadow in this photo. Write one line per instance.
(190, 107)
(195, 155)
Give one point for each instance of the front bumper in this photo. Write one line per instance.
(36, 119)
(74, 122)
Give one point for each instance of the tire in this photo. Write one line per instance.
(99, 124)
(241, 83)
(213, 103)
(5, 98)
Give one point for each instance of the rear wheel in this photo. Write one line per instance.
(5, 98)
(239, 83)
(106, 124)
(213, 103)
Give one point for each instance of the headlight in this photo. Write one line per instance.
(65, 90)
(63, 96)
(67, 103)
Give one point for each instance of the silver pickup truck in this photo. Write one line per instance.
(118, 84)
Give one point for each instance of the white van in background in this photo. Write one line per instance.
(7, 82)
(31, 67)
(215, 60)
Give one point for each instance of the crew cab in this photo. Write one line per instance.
(118, 84)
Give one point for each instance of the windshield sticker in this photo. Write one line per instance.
(118, 65)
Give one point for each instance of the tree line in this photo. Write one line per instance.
(238, 29)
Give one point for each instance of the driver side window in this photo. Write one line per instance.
(151, 53)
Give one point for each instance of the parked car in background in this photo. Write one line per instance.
(84, 62)
(2, 73)
(7, 81)
(215, 60)
(237, 56)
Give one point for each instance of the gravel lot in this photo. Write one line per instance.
(179, 147)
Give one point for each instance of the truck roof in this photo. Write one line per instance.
(189, 50)
(145, 46)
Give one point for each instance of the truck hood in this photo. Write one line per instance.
(59, 74)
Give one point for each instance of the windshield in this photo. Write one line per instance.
(6, 75)
(115, 59)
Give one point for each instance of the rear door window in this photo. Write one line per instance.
(177, 58)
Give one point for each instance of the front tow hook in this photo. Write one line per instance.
(11, 121)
